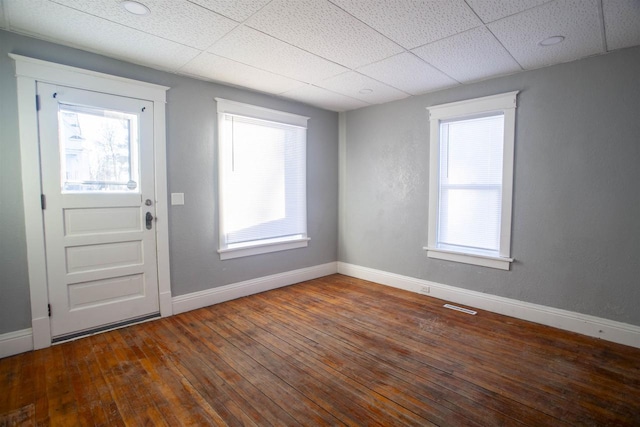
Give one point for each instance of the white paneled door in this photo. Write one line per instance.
(99, 208)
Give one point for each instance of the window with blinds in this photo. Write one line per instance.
(262, 155)
(471, 185)
(471, 180)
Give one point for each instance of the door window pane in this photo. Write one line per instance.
(98, 150)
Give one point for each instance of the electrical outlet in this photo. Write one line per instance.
(425, 290)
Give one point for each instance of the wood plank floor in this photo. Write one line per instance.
(332, 351)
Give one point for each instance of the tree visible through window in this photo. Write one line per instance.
(98, 149)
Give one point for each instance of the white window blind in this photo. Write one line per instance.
(471, 184)
(262, 182)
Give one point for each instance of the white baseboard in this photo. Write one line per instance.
(618, 332)
(41, 328)
(166, 304)
(16, 342)
(21, 341)
(220, 294)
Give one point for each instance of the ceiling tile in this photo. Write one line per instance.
(212, 67)
(408, 73)
(322, 28)
(257, 49)
(324, 99)
(412, 23)
(472, 55)
(323, 52)
(622, 23)
(362, 87)
(51, 21)
(176, 20)
(238, 10)
(577, 20)
(491, 10)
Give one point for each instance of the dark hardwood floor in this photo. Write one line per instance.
(332, 351)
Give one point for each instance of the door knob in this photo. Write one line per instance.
(149, 219)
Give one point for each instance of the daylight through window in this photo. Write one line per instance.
(471, 180)
(262, 156)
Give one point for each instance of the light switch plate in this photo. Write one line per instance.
(177, 198)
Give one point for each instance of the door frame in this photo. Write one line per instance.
(29, 71)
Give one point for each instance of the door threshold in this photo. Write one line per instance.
(106, 328)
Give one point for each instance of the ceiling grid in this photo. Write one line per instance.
(335, 54)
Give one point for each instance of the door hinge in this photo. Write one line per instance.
(49, 309)
(43, 201)
(37, 102)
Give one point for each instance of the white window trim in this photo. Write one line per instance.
(248, 110)
(264, 248)
(225, 106)
(502, 103)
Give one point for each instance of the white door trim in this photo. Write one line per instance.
(28, 72)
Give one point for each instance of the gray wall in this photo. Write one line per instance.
(15, 311)
(576, 222)
(576, 218)
(192, 169)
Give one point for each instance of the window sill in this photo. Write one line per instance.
(262, 248)
(481, 260)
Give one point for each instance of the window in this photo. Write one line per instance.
(471, 180)
(262, 173)
(98, 150)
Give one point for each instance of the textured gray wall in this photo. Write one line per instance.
(192, 169)
(15, 309)
(576, 220)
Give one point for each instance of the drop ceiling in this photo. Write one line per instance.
(335, 54)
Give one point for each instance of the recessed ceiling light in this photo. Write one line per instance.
(135, 7)
(365, 91)
(550, 41)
